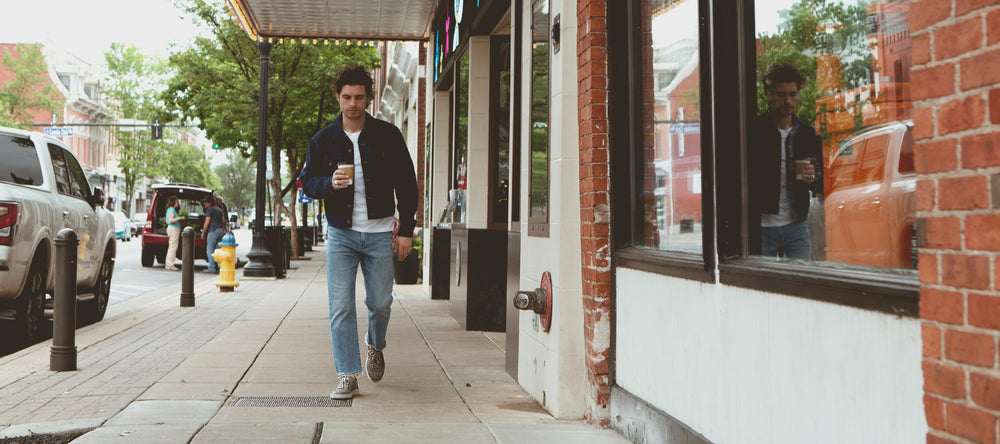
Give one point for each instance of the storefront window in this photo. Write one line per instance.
(539, 161)
(501, 120)
(830, 155)
(460, 156)
(671, 188)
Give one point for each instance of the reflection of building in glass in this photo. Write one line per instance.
(676, 153)
(885, 98)
(868, 154)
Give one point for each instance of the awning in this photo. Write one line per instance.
(336, 19)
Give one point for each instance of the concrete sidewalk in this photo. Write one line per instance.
(256, 365)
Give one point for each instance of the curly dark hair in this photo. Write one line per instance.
(783, 73)
(352, 75)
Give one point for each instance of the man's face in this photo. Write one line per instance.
(784, 99)
(353, 100)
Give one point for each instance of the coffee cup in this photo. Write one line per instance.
(800, 167)
(348, 169)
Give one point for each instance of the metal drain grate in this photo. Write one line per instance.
(287, 401)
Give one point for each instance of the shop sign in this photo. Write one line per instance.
(454, 20)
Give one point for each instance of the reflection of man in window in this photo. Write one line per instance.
(779, 190)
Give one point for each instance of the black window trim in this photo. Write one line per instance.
(625, 116)
(722, 75)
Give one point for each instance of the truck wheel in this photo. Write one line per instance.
(161, 255)
(30, 312)
(147, 256)
(102, 288)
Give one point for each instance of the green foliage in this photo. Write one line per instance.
(132, 83)
(186, 163)
(29, 90)
(798, 42)
(216, 81)
(237, 178)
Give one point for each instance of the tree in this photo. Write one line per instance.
(132, 84)
(237, 178)
(217, 81)
(30, 89)
(799, 41)
(185, 163)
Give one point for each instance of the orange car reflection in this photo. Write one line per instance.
(870, 205)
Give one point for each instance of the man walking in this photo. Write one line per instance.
(779, 189)
(374, 176)
(212, 231)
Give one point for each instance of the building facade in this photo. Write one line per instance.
(609, 154)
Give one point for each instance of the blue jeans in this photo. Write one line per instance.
(211, 243)
(790, 241)
(345, 249)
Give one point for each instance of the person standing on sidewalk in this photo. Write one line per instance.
(212, 231)
(360, 206)
(173, 232)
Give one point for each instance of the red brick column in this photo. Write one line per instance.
(956, 93)
(595, 216)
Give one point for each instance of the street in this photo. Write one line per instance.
(131, 279)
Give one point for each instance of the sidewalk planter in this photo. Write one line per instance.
(479, 280)
(406, 271)
(440, 252)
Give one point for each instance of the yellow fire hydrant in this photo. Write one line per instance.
(225, 255)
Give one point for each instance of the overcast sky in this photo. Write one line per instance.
(87, 28)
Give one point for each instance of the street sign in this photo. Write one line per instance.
(685, 128)
(59, 132)
(305, 200)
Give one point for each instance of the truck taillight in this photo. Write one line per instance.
(149, 224)
(8, 217)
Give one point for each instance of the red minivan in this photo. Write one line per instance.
(154, 235)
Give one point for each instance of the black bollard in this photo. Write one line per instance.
(187, 268)
(63, 355)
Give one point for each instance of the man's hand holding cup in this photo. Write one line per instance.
(344, 176)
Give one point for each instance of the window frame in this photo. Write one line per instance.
(725, 257)
(538, 226)
(626, 134)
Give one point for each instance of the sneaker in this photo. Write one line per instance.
(346, 388)
(375, 365)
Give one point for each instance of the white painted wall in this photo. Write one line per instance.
(551, 365)
(479, 131)
(744, 366)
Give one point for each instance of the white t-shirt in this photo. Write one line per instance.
(784, 216)
(359, 220)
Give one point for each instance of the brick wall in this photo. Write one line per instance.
(957, 131)
(592, 52)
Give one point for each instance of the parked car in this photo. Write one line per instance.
(123, 226)
(869, 209)
(154, 235)
(43, 190)
(234, 220)
(138, 225)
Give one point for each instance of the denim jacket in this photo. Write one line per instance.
(387, 169)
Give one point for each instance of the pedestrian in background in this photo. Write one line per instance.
(361, 168)
(212, 231)
(173, 231)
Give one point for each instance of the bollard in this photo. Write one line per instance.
(187, 268)
(63, 355)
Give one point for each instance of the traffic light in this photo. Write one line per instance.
(156, 130)
(215, 146)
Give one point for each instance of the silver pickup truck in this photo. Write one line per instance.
(43, 190)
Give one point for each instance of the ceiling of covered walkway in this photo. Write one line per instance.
(336, 19)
